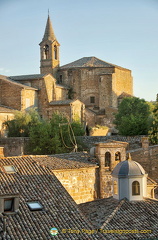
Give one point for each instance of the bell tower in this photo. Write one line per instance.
(49, 48)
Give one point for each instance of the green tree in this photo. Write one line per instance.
(46, 137)
(55, 136)
(132, 117)
(153, 132)
(20, 125)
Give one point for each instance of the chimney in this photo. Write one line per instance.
(145, 143)
(1, 151)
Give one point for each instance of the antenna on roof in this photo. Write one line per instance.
(72, 139)
(48, 11)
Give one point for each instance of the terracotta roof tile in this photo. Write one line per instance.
(33, 182)
(89, 62)
(6, 109)
(111, 214)
(27, 77)
(10, 80)
(66, 161)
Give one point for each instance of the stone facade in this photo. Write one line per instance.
(81, 184)
(5, 115)
(86, 177)
(97, 84)
(14, 146)
(109, 155)
(148, 159)
(94, 82)
(15, 95)
(1, 151)
(42, 92)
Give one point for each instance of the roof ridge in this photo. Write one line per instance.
(8, 79)
(34, 74)
(90, 62)
(113, 213)
(1, 105)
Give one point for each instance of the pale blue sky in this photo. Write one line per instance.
(122, 32)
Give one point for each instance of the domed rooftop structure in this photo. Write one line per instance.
(128, 168)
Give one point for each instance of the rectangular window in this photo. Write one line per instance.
(35, 206)
(9, 205)
(92, 99)
(28, 103)
(9, 169)
(61, 78)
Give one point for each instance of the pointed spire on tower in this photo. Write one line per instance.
(49, 32)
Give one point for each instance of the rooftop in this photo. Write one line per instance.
(5, 109)
(111, 214)
(66, 161)
(128, 168)
(11, 80)
(124, 94)
(89, 62)
(27, 77)
(39, 185)
(63, 102)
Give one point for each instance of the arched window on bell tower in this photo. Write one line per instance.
(118, 156)
(108, 160)
(46, 52)
(55, 52)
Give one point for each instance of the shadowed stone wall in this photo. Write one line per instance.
(81, 184)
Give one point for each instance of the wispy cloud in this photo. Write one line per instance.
(4, 70)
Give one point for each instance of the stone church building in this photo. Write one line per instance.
(88, 89)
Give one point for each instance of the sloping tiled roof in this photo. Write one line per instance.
(109, 214)
(89, 62)
(61, 86)
(65, 161)
(36, 183)
(124, 94)
(9, 80)
(151, 182)
(61, 102)
(97, 211)
(27, 77)
(5, 109)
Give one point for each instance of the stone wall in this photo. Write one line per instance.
(10, 94)
(122, 82)
(1, 151)
(16, 96)
(105, 84)
(148, 159)
(106, 183)
(81, 184)
(28, 99)
(89, 141)
(4, 117)
(64, 109)
(14, 146)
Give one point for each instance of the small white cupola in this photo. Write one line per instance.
(129, 181)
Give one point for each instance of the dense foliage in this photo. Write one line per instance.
(133, 117)
(153, 132)
(22, 122)
(46, 137)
